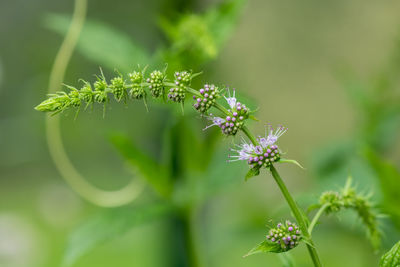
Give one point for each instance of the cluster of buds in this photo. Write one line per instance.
(263, 154)
(156, 82)
(207, 99)
(137, 91)
(234, 120)
(100, 92)
(287, 235)
(182, 80)
(118, 88)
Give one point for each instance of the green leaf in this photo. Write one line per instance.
(108, 225)
(223, 19)
(154, 173)
(264, 247)
(198, 38)
(102, 43)
(392, 257)
(287, 260)
(253, 118)
(290, 161)
(251, 173)
(389, 177)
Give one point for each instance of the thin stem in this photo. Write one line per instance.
(249, 135)
(221, 108)
(316, 217)
(53, 133)
(298, 215)
(190, 241)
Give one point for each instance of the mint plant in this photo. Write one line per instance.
(220, 106)
(259, 153)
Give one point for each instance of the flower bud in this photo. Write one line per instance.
(137, 91)
(182, 80)
(287, 235)
(118, 88)
(86, 93)
(156, 81)
(100, 94)
(209, 94)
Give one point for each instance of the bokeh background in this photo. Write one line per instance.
(325, 69)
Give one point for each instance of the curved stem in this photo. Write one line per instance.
(298, 215)
(64, 165)
(316, 217)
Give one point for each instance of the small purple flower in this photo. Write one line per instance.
(217, 121)
(231, 99)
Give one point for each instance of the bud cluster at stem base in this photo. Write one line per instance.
(287, 235)
(264, 156)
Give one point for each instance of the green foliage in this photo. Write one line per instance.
(102, 43)
(255, 171)
(392, 257)
(287, 260)
(348, 198)
(156, 84)
(292, 161)
(108, 225)
(193, 38)
(389, 177)
(199, 37)
(153, 172)
(282, 238)
(264, 247)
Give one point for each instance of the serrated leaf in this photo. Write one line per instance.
(251, 173)
(107, 225)
(264, 247)
(153, 172)
(102, 43)
(392, 257)
(290, 161)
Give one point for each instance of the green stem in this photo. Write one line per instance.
(292, 204)
(221, 108)
(53, 132)
(190, 241)
(316, 217)
(247, 132)
(298, 215)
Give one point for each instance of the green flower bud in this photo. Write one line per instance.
(137, 91)
(156, 81)
(118, 88)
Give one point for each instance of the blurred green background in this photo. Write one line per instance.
(325, 69)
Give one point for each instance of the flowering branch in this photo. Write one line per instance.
(348, 198)
(261, 152)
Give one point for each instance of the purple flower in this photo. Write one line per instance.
(217, 121)
(231, 99)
